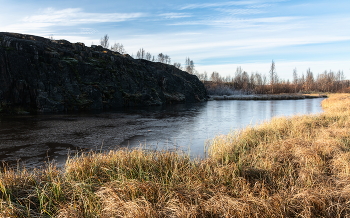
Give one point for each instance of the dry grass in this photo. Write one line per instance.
(288, 167)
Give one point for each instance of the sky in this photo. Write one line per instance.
(218, 35)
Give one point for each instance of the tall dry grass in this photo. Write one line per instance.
(288, 167)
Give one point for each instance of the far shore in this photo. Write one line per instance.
(266, 97)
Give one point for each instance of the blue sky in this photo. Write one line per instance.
(216, 35)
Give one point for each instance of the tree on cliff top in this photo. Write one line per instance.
(104, 41)
(189, 66)
(118, 47)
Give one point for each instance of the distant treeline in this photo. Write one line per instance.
(256, 83)
(253, 83)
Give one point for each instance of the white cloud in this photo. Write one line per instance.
(264, 23)
(74, 16)
(47, 20)
(236, 22)
(241, 11)
(260, 5)
(253, 4)
(87, 31)
(218, 4)
(175, 15)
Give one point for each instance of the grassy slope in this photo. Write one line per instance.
(288, 167)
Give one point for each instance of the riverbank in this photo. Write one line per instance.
(288, 167)
(267, 97)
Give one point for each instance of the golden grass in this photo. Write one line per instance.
(287, 167)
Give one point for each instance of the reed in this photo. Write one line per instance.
(288, 167)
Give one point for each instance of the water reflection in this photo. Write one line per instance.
(186, 127)
(191, 129)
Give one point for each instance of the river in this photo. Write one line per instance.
(34, 139)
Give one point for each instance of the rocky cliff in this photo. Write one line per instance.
(39, 74)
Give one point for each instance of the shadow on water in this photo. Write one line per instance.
(34, 155)
(35, 139)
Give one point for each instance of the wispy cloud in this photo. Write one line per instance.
(218, 4)
(47, 21)
(264, 5)
(175, 15)
(236, 14)
(234, 22)
(87, 31)
(74, 16)
(252, 4)
(241, 11)
(229, 44)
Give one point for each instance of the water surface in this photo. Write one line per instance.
(37, 138)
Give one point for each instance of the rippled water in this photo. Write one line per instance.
(37, 138)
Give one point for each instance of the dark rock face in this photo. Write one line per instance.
(39, 74)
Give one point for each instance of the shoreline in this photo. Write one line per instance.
(288, 167)
(266, 97)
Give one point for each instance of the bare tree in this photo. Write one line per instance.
(215, 77)
(141, 54)
(295, 79)
(118, 47)
(164, 58)
(104, 41)
(340, 76)
(178, 65)
(323, 82)
(309, 80)
(161, 58)
(245, 80)
(253, 81)
(189, 66)
(167, 59)
(148, 56)
(205, 76)
(273, 76)
(295, 76)
(339, 80)
(302, 79)
(258, 79)
(237, 80)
